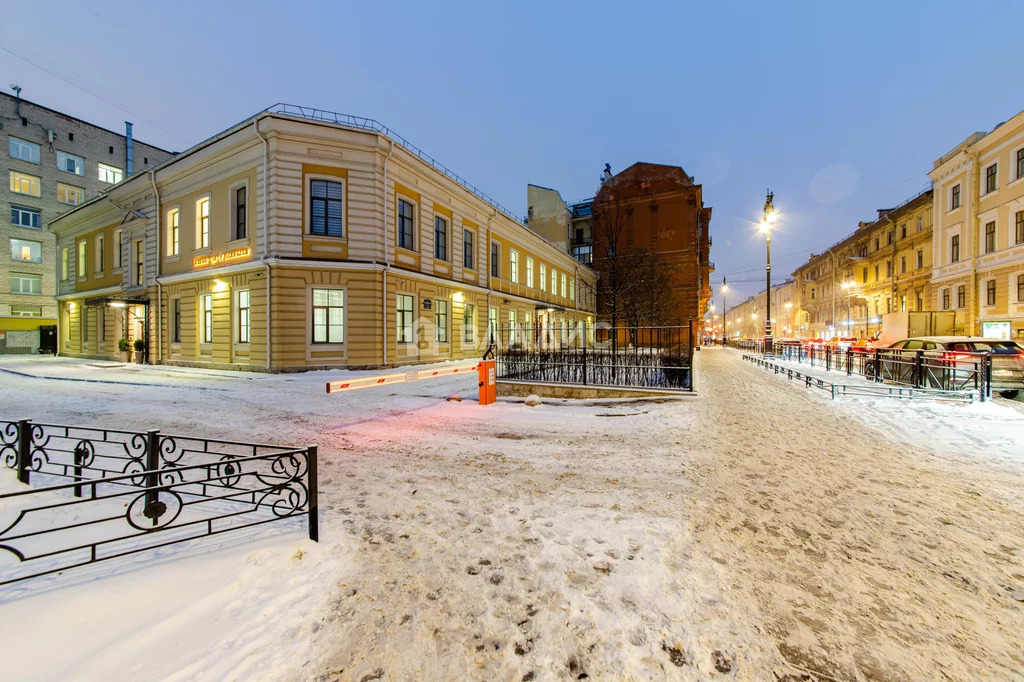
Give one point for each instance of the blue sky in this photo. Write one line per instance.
(840, 108)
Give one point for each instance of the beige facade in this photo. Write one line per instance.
(51, 162)
(978, 248)
(746, 320)
(287, 244)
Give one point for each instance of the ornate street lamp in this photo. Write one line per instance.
(725, 338)
(769, 218)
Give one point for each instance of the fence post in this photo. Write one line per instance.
(919, 369)
(690, 353)
(584, 356)
(311, 495)
(152, 468)
(986, 368)
(24, 448)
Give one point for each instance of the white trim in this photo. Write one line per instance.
(236, 317)
(307, 218)
(340, 348)
(197, 245)
(171, 252)
(415, 223)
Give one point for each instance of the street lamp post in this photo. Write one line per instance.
(849, 297)
(770, 216)
(725, 337)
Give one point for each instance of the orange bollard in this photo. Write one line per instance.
(488, 382)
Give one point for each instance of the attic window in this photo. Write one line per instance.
(111, 149)
(71, 137)
(24, 121)
(145, 160)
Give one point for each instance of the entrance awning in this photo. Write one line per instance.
(103, 300)
(550, 308)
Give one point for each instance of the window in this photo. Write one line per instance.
(1020, 163)
(83, 255)
(920, 259)
(85, 323)
(118, 261)
(954, 198)
(176, 320)
(945, 299)
(405, 222)
(441, 321)
(69, 194)
(326, 208)
(23, 183)
(69, 163)
(554, 282)
(563, 285)
(243, 315)
(26, 217)
(529, 272)
(903, 231)
(877, 246)
(990, 292)
(467, 249)
(543, 277)
(140, 256)
(920, 301)
(328, 315)
(26, 311)
(240, 226)
(23, 283)
(888, 238)
(203, 223)
(99, 254)
(495, 259)
(954, 249)
(511, 327)
(877, 276)
(1020, 288)
(888, 269)
(961, 296)
(990, 236)
(26, 151)
(440, 238)
(25, 250)
(990, 178)
(903, 303)
(403, 319)
(920, 223)
(1019, 225)
(903, 265)
(206, 318)
(173, 232)
(64, 263)
(469, 324)
(572, 289)
(492, 325)
(513, 266)
(111, 174)
(864, 276)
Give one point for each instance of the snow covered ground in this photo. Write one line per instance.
(757, 531)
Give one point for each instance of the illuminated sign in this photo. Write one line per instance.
(217, 259)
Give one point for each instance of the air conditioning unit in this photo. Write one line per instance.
(51, 136)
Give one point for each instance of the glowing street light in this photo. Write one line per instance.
(768, 219)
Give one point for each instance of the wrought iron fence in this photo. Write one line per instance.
(626, 357)
(109, 493)
(919, 369)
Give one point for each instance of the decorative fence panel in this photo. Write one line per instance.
(627, 357)
(108, 493)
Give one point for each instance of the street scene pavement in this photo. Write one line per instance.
(755, 531)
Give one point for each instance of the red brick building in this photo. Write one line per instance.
(661, 210)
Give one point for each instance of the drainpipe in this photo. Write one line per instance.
(128, 149)
(973, 244)
(387, 264)
(266, 231)
(487, 274)
(159, 238)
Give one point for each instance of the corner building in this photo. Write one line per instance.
(301, 239)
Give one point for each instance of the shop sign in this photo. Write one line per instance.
(217, 259)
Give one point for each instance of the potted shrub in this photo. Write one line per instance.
(124, 346)
(140, 351)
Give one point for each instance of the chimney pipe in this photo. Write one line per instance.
(128, 149)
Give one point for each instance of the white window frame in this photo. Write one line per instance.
(67, 156)
(529, 272)
(543, 277)
(554, 282)
(441, 331)
(405, 334)
(65, 257)
(98, 258)
(469, 330)
(174, 323)
(79, 193)
(328, 342)
(35, 183)
(29, 243)
(242, 316)
(26, 310)
(173, 233)
(472, 251)
(513, 265)
(31, 146)
(109, 174)
(233, 210)
(82, 262)
(118, 254)
(204, 319)
(22, 212)
(27, 277)
(563, 282)
(201, 200)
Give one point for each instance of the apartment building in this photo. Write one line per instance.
(746, 320)
(53, 162)
(303, 239)
(978, 247)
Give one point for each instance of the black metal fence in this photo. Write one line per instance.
(107, 493)
(626, 357)
(919, 369)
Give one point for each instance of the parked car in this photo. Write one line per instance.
(954, 354)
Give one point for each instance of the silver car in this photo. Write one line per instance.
(1007, 357)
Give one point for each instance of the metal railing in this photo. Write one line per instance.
(109, 493)
(364, 123)
(919, 369)
(623, 357)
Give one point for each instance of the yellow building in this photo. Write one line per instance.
(979, 231)
(746, 320)
(373, 255)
